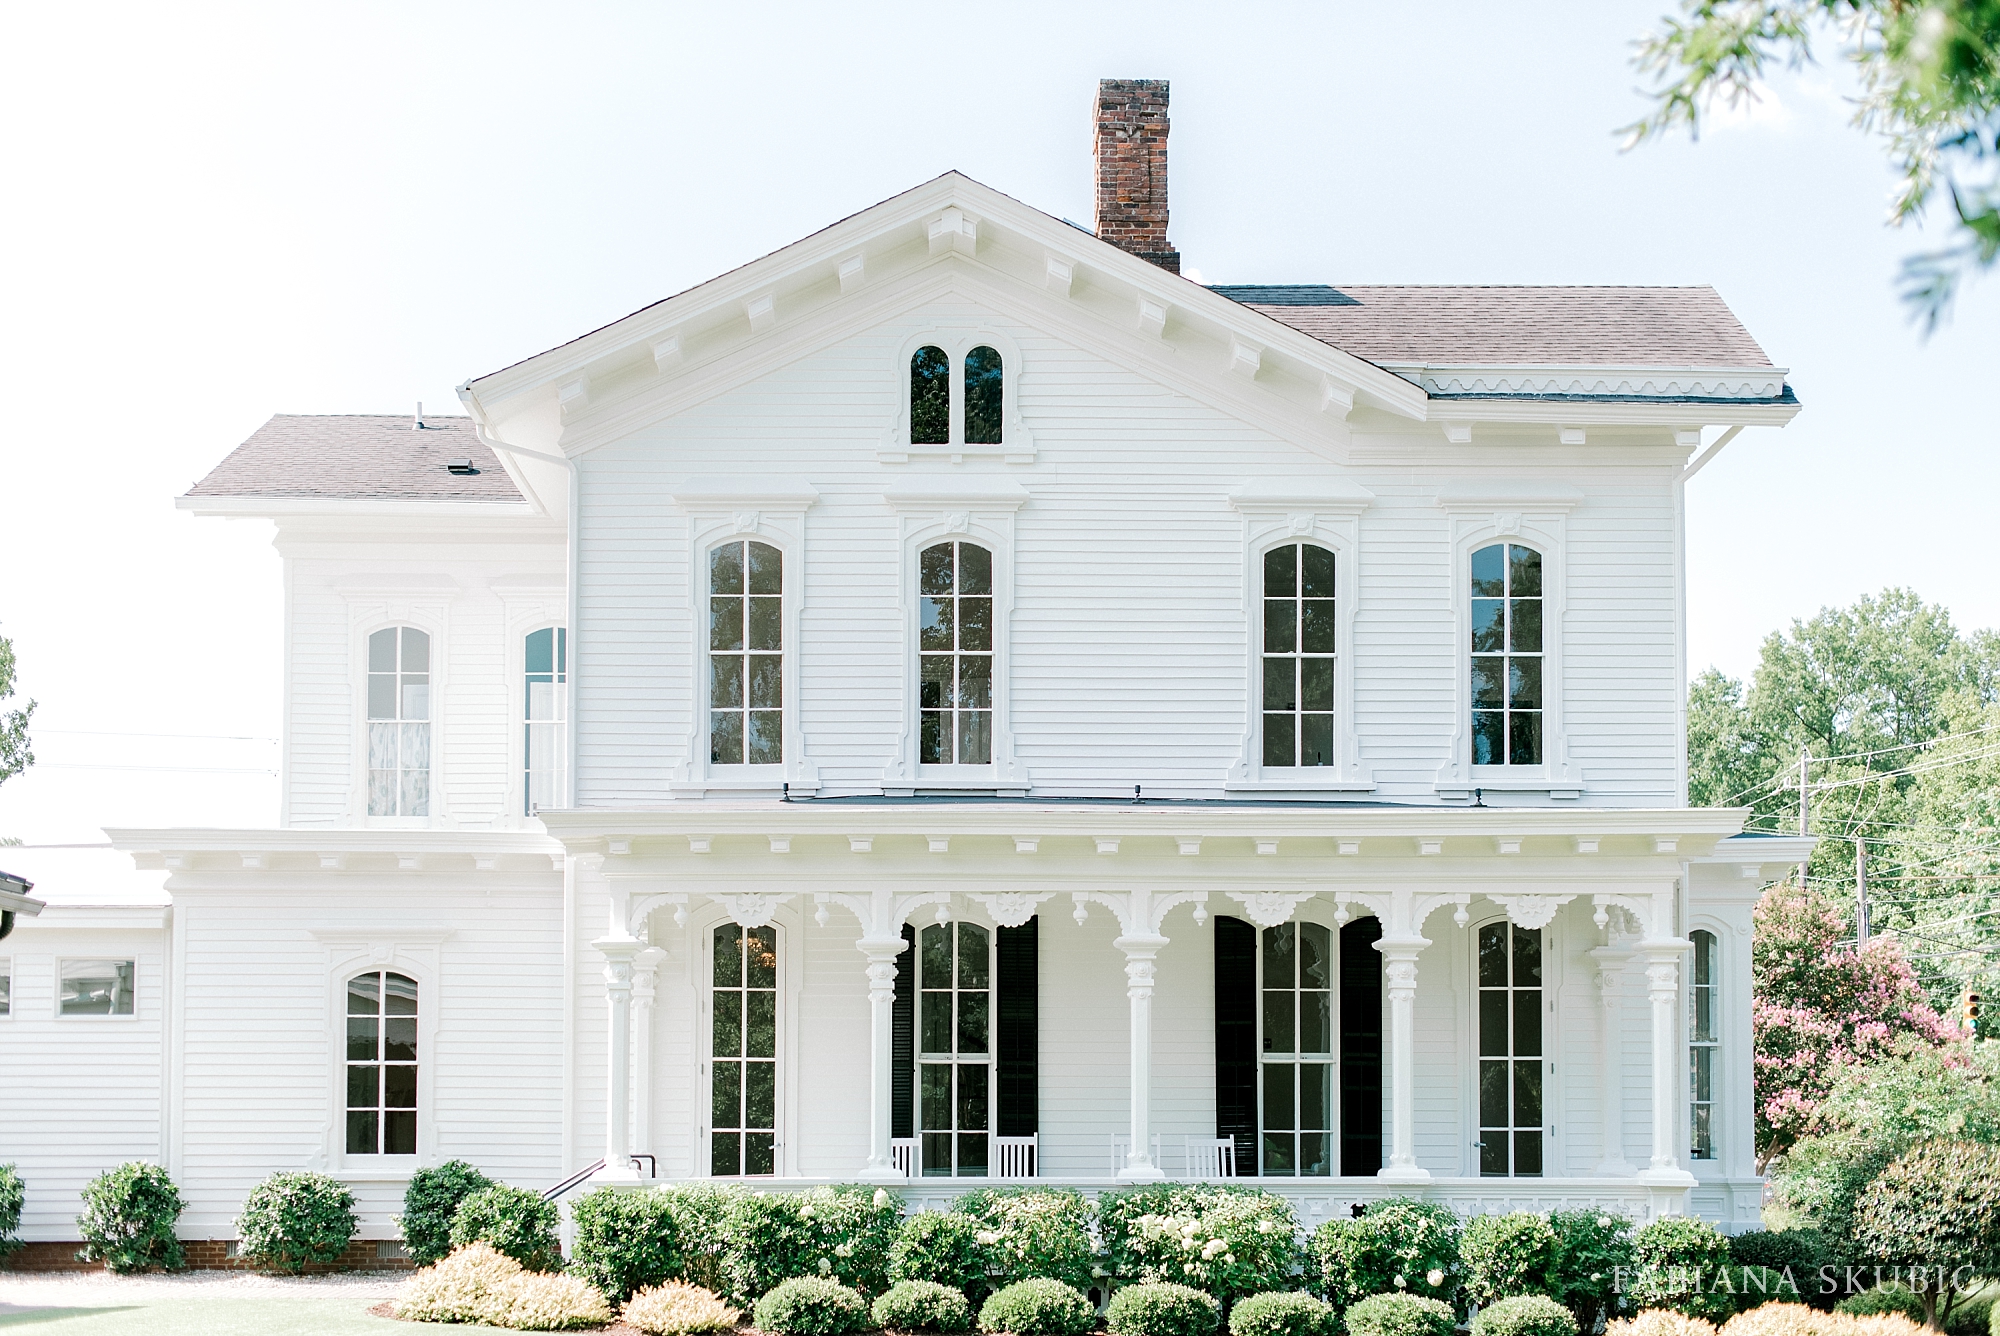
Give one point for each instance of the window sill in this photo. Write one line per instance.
(957, 454)
(1298, 782)
(745, 782)
(1535, 780)
(398, 1172)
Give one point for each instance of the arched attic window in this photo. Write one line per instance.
(930, 397)
(983, 396)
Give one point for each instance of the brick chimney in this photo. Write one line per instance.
(1132, 169)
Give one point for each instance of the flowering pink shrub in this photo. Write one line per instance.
(1821, 1006)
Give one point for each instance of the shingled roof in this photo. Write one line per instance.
(1394, 325)
(360, 457)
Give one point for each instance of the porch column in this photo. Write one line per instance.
(881, 913)
(1399, 958)
(645, 990)
(618, 954)
(1663, 968)
(1611, 1163)
(1140, 953)
(881, 954)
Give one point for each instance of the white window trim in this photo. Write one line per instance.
(722, 510)
(1017, 443)
(929, 515)
(529, 608)
(791, 975)
(55, 998)
(1554, 973)
(1274, 514)
(1477, 518)
(364, 621)
(351, 951)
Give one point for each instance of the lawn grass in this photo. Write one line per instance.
(209, 1316)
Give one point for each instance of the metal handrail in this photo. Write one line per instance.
(573, 1180)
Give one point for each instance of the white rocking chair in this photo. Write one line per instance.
(1121, 1152)
(906, 1155)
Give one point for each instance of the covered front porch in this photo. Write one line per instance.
(1562, 1079)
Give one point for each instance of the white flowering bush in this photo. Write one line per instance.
(838, 1233)
(1399, 1246)
(1035, 1233)
(1227, 1242)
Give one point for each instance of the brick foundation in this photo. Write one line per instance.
(209, 1255)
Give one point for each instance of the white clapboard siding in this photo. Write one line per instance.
(1128, 628)
(262, 1032)
(81, 1094)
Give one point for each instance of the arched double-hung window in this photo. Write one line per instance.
(399, 728)
(1704, 985)
(746, 641)
(546, 710)
(1507, 655)
(975, 416)
(1298, 655)
(955, 647)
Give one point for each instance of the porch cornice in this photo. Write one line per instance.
(1682, 832)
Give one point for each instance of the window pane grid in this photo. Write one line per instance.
(1510, 1051)
(1703, 1041)
(955, 646)
(954, 964)
(381, 1064)
(746, 654)
(1507, 655)
(399, 731)
(743, 1046)
(1298, 655)
(1296, 965)
(545, 708)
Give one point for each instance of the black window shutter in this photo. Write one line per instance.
(903, 1041)
(1236, 1039)
(1017, 1036)
(1360, 1049)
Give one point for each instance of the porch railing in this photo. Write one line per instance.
(1013, 1158)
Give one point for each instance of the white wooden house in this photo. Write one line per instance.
(956, 699)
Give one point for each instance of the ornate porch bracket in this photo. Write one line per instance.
(881, 913)
(1013, 909)
(751, 909)
(1531, 911)
(1267, 909)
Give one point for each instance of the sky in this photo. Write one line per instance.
(215, 213)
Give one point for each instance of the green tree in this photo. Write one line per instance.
(1935, 1215)
(1930, 87)
(1875, 1113)
(15, 755)
(1900, 713)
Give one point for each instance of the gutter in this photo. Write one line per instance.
(14, 900)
